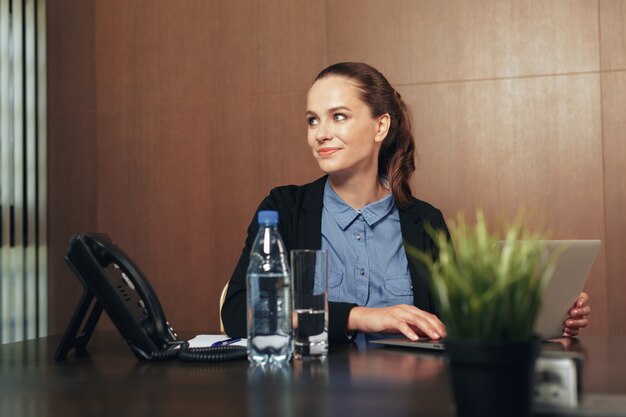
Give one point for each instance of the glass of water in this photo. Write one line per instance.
(309, 283)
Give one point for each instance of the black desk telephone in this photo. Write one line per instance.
(114, 283)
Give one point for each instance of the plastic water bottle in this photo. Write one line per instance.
(269, 297)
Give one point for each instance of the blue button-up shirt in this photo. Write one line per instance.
(367, 264)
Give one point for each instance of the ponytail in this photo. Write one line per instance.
(396, 159)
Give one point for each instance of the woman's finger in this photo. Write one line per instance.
(576, 324)
(428, 323)
(406, 330)
(582, 299)
(580, 311)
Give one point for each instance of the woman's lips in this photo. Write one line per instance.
(324, 152)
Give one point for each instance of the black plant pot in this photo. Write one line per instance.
(492, 379)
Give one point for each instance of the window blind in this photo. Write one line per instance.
(23, 262)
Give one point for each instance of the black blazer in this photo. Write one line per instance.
(300, 225)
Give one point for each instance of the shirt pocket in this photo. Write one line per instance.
(399, 285)
(334, 278)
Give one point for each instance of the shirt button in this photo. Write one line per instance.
(358, 236)
(361, 272)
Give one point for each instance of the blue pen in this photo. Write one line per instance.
(226, 342)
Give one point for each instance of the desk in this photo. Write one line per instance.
(110, 381)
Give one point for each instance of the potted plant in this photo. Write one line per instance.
(488, 292)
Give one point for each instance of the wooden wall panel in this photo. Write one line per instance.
(503, 145)
(187, 178)
(71, 202)
(614, 122)
(155, 200)
(613, 34)
(71, 205)
(71, 57)
(425, 41)
(197, 49)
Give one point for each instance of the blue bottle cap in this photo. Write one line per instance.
(268, 217)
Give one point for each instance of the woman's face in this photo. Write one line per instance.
(344, 136)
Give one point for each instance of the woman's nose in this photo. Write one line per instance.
(322, 133)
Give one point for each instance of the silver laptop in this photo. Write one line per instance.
(568, 280)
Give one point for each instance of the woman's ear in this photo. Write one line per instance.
(383, 123)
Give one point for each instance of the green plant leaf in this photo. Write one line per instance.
(486, 287)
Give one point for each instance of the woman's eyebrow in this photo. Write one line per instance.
(334, 109)
(331, 110)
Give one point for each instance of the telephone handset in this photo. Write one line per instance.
(114, 283)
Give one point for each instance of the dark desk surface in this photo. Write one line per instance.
(110, 381)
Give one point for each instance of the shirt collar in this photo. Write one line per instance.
(344, 215)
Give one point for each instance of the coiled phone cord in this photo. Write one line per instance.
(212, 354)
(201, 354)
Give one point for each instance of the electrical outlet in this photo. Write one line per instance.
(555, 383)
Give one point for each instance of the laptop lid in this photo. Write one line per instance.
(567, 281)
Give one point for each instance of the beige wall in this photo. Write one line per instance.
(170, 121)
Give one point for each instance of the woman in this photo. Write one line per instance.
(362, 212)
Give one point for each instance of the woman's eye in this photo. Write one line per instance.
(339, 117)
(312, 121)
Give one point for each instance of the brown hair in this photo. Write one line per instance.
(396, 156)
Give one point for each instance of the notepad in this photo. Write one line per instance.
(206, 340)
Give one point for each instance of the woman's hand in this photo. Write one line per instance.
(577, 316)
(402, 318)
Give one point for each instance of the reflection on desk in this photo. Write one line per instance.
(374, 382)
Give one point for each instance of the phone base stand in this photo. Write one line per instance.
(71, 338)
